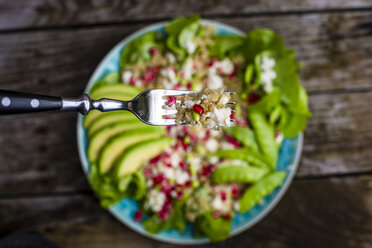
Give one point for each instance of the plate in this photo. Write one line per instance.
(289, 155)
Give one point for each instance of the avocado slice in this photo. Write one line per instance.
(112, 150)
(99, 139)
(117, 88)
(109, 118)
(94, 114)
(134, 157)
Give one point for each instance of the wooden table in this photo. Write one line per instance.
(52, 47)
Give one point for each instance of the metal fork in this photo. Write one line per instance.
(147, 106)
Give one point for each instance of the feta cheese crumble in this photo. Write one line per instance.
(267, 74)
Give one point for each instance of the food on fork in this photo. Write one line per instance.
(207, 108)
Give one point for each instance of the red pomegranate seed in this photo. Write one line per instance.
(187, 184)
(157, 68)
(181, 164)
(227, 217)
(163, 215)
(171, 101)
(211, 62)
(181, 74)
(232, 116)
(158, 178)
(153, 50)
(155, 160)
(177, 86)
(167, 206)
(188, 85)
(179, 195)
(216, 214)
(132, 81)
(232, 141)
(277, 133)
(223, 195)
(232, 75)
(195, 67)
(253, 97)
(235, 192)
(147, 172)
(198, 109)
(137, 215)
(148, 76)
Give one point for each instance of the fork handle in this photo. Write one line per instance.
(12, 102)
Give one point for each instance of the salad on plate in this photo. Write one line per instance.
(188, 173)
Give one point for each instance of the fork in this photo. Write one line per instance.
(147, 106)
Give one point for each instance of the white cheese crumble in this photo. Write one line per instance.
(126, 76)
(170, 78)
(171, 58)
(155, 200)
(211, 145)
(219, 117)
(190, 47)
(188, 69)
(181, 176)
(267, 74)
(214, 81)
(225, 66)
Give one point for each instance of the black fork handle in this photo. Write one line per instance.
(17, 102)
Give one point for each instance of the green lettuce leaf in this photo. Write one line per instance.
(223, 44)
(138, 50)
(216, 229)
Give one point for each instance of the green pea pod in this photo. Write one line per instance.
(216, 229)
(256, 192)
(244, 154)
(244, 135)
(265, 136)
(237, 173)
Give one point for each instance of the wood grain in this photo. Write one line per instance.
(18, 14)
(314, 213)
(338, 139)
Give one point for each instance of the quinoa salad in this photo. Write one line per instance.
(209, 171)
(206, 108)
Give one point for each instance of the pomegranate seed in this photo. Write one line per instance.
(147, 172)
(253, 97)
(179, 195)
(157, 68)
(132, 81)
(171, 101)
(181, 164)
(187, 184)
(137, 215)
(232, 75)
(172, 68)
(220, 70)
(232, 141)
(216, 214)
(149, 76)
(181, 74)
(163, 215)
(153, 50)
(167, 164)
(277, 133)
(158, 178)
(227, 217)
(155, 160)
(210, 63)
(198, 109)
(195, 67)
(223, 195)
(188, 85)
(167, 206)
(232, 115)
(177, 86)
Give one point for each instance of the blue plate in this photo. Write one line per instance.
(290, 152)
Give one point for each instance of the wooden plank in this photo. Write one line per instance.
(313, 213)
(18, 14)
(333, 48)
(338, 140)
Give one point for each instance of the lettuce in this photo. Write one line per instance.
(216, 229)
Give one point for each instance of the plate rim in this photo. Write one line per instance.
(85, 164)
